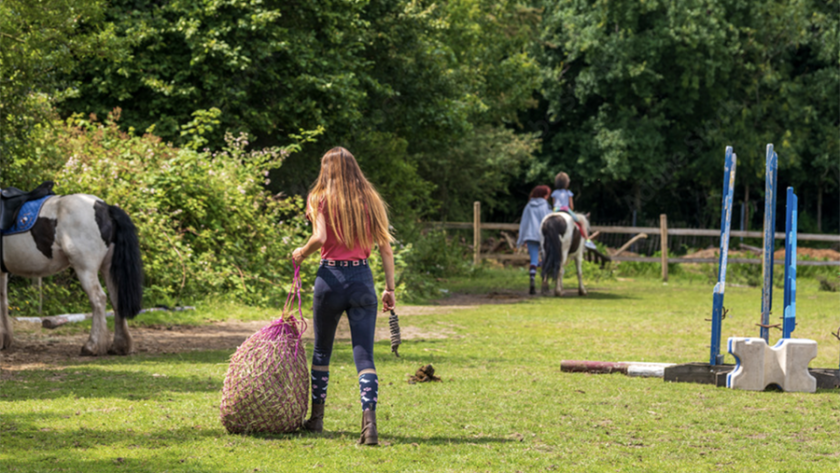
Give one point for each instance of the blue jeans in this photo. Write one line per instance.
(534, 251)
(338, 290)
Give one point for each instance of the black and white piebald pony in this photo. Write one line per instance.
(83, 232)
(560, 240)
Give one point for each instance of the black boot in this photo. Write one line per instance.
(370, 436)
(316, 420)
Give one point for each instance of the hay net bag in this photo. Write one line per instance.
(266, 388)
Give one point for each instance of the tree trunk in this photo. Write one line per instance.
(747, 206)
(819, 207)
(637, 198)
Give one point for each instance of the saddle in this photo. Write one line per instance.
(12, 199)
(570, 214)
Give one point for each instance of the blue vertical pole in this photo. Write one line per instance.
(769, 240)
(715, 358)
(787, 245)
(789, 324)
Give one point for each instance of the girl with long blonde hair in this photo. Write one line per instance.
(349, 218)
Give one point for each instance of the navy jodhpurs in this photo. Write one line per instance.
(344, 289)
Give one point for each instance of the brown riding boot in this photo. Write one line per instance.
(369, 434)
(316, 420)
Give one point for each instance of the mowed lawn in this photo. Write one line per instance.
(503, 404)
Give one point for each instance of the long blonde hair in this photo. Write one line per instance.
(357, 214)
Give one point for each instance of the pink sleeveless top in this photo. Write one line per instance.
(333, 249)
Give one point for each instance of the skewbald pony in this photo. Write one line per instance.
(356, 212)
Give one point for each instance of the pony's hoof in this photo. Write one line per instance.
(5, 341)
(558, 293)
(581, 292)
(90, 349)
(121, 348)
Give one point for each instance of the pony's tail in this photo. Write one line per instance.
(126, 265)
(552, 230)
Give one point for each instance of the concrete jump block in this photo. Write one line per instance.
(759, 365)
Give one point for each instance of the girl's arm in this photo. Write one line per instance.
(571, 203)
(389, 300)
(316, 241)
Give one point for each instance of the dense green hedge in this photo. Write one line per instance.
(207, 224)
(208, 227)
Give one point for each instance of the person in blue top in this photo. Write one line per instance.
(564, 202)
(529, 227)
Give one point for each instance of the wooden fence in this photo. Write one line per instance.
(663, 231)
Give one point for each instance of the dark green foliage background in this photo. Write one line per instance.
(450, 102)
(443, 103)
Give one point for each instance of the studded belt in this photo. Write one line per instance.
(358, 262)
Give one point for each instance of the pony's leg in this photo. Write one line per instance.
(579, 267)
(6, 331)
(544, 287)
(98, 342)
(564, 258)
(123, 343)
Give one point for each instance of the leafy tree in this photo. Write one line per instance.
(272, 68)
(642, 98)
(41, 41)
(810, 110)
(415, 82)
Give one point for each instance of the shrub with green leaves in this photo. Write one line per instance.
(206, 223)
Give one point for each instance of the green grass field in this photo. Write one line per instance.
(503, 405)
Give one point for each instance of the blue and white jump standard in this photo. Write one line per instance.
(731, 160)
(757, 362)
(772, 161)
(789, 324)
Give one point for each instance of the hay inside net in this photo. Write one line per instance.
(266, 387)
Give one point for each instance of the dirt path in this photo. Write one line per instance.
(37, 348)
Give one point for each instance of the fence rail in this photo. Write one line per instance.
(649, 230)
(663, 231)
(671, 260)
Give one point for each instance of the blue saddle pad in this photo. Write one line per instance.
(27, 215)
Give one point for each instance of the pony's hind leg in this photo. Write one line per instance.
(98, 342)
(579, 267)
(6, 331)
(564, 258)
(558, 286)
(123, 343)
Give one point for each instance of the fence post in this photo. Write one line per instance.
(663, 237)
(476, 233)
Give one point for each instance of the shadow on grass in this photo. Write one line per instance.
(594, 294)
(33, 447)
(162, 462)
(101, 380)
(66, 449)
(385, 437)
